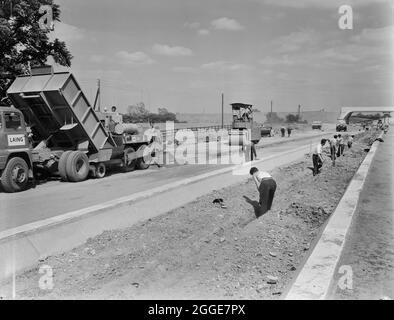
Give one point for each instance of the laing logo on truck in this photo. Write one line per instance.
(16, 140)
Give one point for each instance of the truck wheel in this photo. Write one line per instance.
(100, 171)
(62, 165)
(144, 160)
(129, 160)
(77, 166)
(15, 175)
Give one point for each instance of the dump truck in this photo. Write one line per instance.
(243, 124)
(50, 128)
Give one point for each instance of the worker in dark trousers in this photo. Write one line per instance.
(333, 148)
(341, 146)
(289, 131)
(317, 157)
(350, 141)
(266, 186)
(283, 131)
(253, 151)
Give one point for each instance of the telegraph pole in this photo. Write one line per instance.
(99, 94)
(222, 110)
(97, 99)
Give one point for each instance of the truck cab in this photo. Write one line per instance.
(15, 152)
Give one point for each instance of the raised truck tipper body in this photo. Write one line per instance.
(52, 129)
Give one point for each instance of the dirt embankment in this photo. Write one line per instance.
(203, 251)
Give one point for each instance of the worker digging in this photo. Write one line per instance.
(266, 187)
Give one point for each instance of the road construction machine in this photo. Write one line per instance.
(243, 125)
(49, 128)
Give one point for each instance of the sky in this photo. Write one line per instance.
(182, 54)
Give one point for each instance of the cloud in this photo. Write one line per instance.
(135, 58)
(224, 66)
(193, 25)
(203, 32)
(375, 35)
(370, 47)
(283, 60)
(321, 3)
(295, 41)
(227, 24)
(185, 69)
(166, 50)
(97, 58)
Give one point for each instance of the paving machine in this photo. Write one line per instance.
(243, 125)
(50, 128)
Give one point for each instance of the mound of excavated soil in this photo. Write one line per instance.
(203, 251)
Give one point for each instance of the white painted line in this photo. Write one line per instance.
(34, 226)
(314, 280)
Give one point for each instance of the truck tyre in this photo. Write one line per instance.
(15, 175)
(62, 165)
(77, 166)
(100, 170)
(144, 160)
(129, 160)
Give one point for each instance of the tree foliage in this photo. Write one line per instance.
(23, 42)
(272, 117)
(292, 118)
(138, 113)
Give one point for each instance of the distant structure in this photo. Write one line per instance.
(346, 112)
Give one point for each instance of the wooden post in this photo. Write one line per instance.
(222, 110)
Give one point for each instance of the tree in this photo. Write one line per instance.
(291, 118)
(138, 110)
(137, 113)
(272, 117)
(162, 111)
(23, 42)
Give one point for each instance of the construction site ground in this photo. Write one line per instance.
(203, 251)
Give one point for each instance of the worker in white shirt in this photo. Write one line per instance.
(154, 153)
(341, 146)
(266, 186)
(317, 157)
(333, 148)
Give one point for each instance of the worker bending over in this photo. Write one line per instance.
(266, 186)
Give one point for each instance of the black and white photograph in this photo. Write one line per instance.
(197, 155)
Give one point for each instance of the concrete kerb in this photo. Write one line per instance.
(315, 279)
(22, 247)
